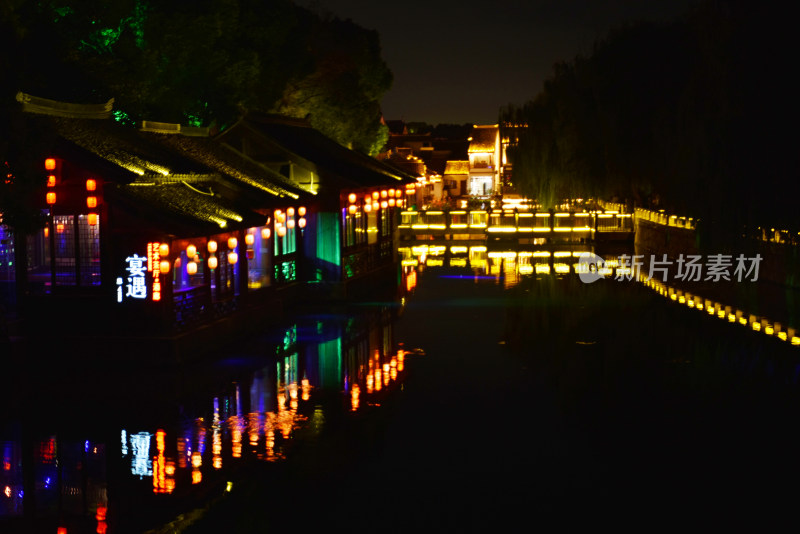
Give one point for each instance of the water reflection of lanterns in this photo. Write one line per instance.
(355, 393)
(212, 262)
(306, 389)
(212, 246)
(249, 239)
(232, 242)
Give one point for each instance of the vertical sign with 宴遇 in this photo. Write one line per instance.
(133, 285)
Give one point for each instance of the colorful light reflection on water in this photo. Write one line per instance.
(252, 415)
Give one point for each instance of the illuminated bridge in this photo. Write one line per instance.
(520, 226)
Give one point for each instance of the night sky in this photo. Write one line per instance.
(459, 61)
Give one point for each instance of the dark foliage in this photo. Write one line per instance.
(692, 116)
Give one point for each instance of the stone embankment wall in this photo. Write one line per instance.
(780, 262)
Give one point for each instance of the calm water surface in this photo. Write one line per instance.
(497, 387)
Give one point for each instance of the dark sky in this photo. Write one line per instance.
(459, 61)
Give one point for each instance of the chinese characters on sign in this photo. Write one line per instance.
(687, 268)
(153, 261)
(134, 285)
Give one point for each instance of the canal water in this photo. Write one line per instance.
(490, 391)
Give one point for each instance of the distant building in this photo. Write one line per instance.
(485, 161)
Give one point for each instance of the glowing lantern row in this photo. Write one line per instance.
(290, 212)
(212, 246)
(91, 202)
(233, 258)
(212, 262)
(281, 231)
(51, 197)
(91, 185)
(232, 242)
(352, 198)
(191, 251)
(164, 267)
(302, 222)
(290, 223)
(265, 233)
(249, 239)
(301, 211)
(191, 267)
(92, 218)
(50, 164)
(163, 250)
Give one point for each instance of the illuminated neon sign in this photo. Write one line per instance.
(153, 265)
(133, 285)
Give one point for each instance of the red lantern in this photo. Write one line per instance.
(51, 197)
(91, 184)
(91, 202)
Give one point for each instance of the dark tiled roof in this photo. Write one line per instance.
(457, 167)
(195, 206)
(121, 146)
(298, 138)
(484, 139)
(232, 164)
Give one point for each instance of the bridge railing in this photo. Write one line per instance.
(661, 217)
(512, 222)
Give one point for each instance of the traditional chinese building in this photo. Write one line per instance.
(175, 240)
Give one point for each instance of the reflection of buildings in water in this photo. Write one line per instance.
(507, 267)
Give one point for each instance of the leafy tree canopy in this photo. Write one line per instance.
(200, 62)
